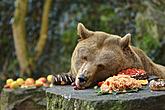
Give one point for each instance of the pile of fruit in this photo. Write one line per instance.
(29, 82)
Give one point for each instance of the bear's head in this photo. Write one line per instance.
(99, 55)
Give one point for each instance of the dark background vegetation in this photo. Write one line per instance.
(145, 20)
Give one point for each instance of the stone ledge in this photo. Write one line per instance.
(23, 99)
(65, 98)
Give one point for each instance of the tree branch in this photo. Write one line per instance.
(44, 30)
(19, 34)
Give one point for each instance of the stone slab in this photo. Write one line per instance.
(66, 98)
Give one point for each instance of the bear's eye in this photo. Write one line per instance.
(100, 66)
(84, 58)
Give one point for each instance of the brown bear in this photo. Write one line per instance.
(99, 55)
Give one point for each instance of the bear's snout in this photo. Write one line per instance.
(85, 75)
(82, 78)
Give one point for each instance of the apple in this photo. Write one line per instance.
(9, 81)
(14, 85)
(38, 83)
(50, 78)
(20, 81)
(42, 79)
(29, 81)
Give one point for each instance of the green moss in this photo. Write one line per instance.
(56, 102)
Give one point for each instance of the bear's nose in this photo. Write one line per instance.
(82, 78)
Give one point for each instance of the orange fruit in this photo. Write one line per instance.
(29, 81)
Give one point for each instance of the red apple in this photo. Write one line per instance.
(38, 83)
(42, 79)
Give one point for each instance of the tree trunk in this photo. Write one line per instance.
(19, 34)
(44, 30)
(27, 64)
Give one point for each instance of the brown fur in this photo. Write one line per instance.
(99, 55)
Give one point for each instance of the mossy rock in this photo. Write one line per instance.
(65, 98)
(23, 99)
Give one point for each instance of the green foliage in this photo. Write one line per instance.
(147, 37)
(68, 40)
(147, 43)
(62, 39)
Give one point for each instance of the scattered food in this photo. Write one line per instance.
(62, 83)
(100, 83)
(51, 85)
(143, 82)
(50, 78)
(157, 85)
(119, 84)
(135, 73)
(46, 85)
(95, 87)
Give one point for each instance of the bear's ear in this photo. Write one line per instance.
(125, 41)
(83, 32)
